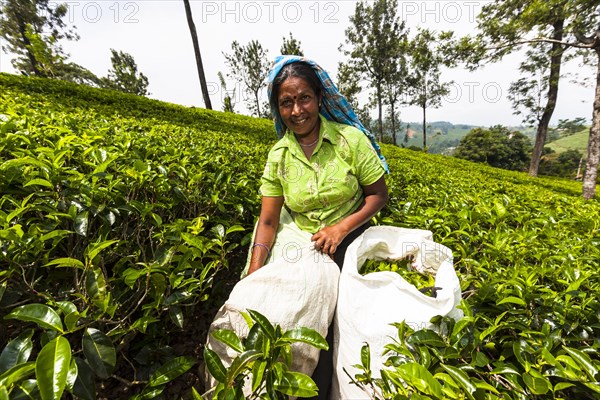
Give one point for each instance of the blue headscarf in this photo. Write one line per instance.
(334, 106)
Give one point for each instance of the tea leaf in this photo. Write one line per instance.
(41, 314)
(230, 338)
(99, 352)
(214, 365)
(584, 361)
(66, 262)
(16, 373)
(171, 370)
(52, 368)
(296, 384)
(239, 364)
(17, 351)
(305, 335)
(85, 385)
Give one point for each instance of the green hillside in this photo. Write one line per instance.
(443, 137)
(124, 223)
(440, 136)
(578, 141)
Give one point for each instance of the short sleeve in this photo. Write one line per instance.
(369, 167)
(270, 181)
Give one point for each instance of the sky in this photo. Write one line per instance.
(156, 33)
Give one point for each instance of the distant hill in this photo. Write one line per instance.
(443, 136)
(577, 141)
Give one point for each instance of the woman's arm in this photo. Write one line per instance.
(376, 196)
(268, 222)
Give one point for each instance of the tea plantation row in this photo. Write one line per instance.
(120, 218)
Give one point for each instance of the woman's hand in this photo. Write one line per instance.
(329, 238)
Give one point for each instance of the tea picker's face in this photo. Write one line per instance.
(299, 107)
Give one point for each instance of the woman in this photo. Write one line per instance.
(325, 170)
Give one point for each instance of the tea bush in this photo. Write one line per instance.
(120, 214)
(527, 252)
(112, 230)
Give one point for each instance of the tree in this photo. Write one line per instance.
(567, 127)
(291, 46)
(519, 154)
(427, 55)
(510, 22)
(496, 146)
(565, 164)
(73, 72)
(32, 30)
(228, 103)
(396, 84)
(585, 24)
(124, 75)
(249, 65)
(563, 24)
(200, 67)
(348, 84)
(373, 40)
(529, 94)
(393, 116)
(47, 54)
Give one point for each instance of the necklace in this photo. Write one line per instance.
(308, 145)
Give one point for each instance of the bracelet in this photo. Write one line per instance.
(263, 245)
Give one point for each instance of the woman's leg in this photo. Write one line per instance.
(324, 372)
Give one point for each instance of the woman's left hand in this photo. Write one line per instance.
(328, 239)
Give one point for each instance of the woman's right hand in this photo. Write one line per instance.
(329, 238)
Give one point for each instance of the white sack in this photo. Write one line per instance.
(297, 290)
(367, 305)
(289, 241)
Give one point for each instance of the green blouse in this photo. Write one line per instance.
(325, 189)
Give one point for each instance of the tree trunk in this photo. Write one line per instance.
(393, 123)
(578, 175)
(190, 20)
(593, 155)
(380, 106)
(424, 128)
(424, 106)
(30, 55)
(257, 99)
(556, 53)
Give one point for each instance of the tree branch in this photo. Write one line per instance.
(126, 382)
(589, 40)
(544, 40)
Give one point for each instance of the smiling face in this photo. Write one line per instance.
(299, 108)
